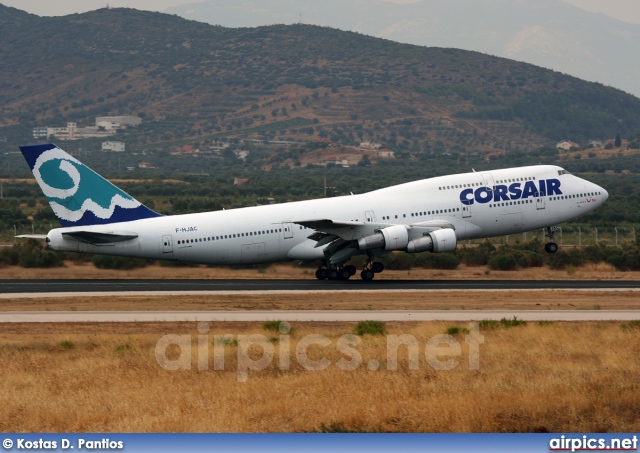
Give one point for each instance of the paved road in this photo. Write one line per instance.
(318, 315)
(92, 286)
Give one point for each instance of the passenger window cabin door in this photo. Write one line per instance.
(287, 230)
(370, 216)
(167, 244)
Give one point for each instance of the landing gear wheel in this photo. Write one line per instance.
(551, 247)
(333, 274)
(344, 274)
(367, 275)
(352, 270)
(322, 274)
(377, 267)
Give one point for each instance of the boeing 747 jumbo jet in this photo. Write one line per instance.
(430, 215)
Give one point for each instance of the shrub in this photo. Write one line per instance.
(528, 258)
(436, 261)
(66, 344)
(31, 253)
(564, 258)
(8, 256)
(491, 324)
(456, 330)
(503, 263)
(370, 328)
(512, 322)
(118, 262)
(476, 256)
(273, 326)
(631, 325)
(124, 348)
(340, 428)
(398, 261)
(445, 261)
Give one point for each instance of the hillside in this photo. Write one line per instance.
(192, 82)
(548, 33)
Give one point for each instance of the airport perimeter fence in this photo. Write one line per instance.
(568, 235)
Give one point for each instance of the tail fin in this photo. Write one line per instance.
(78, 195)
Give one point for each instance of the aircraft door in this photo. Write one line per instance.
(287, 230)
(487, 178)
(167, 244)
(466, 210)
(539, 201)
(370, 216)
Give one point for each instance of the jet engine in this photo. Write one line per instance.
(437, 241)
(395, 237)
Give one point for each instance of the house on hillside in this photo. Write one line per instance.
(240, 181)
(567, 145)
(385, 154)
(110, 123)
(241, 154)
(114, 147)
(370, 145)
(491, 155)
(337, 161)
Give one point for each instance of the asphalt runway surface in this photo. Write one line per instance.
(317, 315)
(111, 286)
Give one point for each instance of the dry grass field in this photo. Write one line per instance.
(534, 377)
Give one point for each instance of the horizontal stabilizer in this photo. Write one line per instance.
(95, 238)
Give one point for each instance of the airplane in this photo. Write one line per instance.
(428, 215)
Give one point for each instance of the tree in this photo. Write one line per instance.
(618, 141)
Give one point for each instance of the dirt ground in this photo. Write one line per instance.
(80, 270)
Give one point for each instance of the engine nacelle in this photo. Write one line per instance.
(437, 242)
(395, 237)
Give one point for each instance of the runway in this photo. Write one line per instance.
(9, 287)
(317, 315)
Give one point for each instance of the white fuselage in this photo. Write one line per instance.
(264, 234)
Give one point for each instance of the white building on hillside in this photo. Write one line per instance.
(116, 122)
(114, 147)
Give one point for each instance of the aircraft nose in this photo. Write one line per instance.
(605, 194)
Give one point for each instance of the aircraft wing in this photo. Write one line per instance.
(432, 225)
(328, 224)
(339, 238)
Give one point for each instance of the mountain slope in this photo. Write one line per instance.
(549, 33)
(196, 80)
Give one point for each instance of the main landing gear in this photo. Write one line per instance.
(370, 269)
(551, 246)
(336, 273)
(346, 272)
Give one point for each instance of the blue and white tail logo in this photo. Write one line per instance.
(78, 195)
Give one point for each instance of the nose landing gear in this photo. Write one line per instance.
(551, 246)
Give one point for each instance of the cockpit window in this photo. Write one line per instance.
(563, 172)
